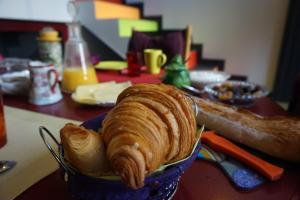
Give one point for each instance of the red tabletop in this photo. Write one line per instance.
(202, 180)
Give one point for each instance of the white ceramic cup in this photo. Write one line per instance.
(44, 87)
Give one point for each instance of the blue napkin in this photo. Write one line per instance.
(240, 175)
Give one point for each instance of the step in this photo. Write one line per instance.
(127, 25)
(106, 30)
(108, 10)
(97, 47)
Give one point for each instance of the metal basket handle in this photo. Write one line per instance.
(195, 106)
(42, 131)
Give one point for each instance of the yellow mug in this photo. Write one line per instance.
(154, 59)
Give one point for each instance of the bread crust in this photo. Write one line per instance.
(278, 136)
(151, 125)
(85, 150)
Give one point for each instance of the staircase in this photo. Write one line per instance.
(112, 22)
(108, 10)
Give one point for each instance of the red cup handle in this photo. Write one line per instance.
(56, 75)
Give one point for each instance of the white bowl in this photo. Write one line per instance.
(200, 78)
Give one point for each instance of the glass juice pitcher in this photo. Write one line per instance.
(78, 69)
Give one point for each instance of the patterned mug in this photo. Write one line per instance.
(44, 88)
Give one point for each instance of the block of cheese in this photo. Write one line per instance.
(85, 92)
(111, 93)
(102, 93)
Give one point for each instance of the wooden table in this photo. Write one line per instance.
(202, 180)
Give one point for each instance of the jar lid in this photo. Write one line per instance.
(48, 34)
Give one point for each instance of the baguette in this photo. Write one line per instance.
(278, 136)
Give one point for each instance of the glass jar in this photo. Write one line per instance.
(50, 49)
(78, 69)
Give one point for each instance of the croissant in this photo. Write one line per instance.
(176, 112)
(151, 125)
(85, 150)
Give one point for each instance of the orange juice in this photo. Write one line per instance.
(75, 76)
(2, 125)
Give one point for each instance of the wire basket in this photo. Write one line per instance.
(158, 186)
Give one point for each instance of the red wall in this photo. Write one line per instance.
(32, 26)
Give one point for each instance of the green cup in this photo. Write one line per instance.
(154, 59)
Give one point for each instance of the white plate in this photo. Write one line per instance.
(201, 78)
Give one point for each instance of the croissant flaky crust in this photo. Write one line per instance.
(151, 125)
(85, 150)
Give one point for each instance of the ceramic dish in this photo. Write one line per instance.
(111, 65)
(200, 78)
(236, 92)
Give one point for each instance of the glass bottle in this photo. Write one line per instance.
(50, 48)
(78, 69)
